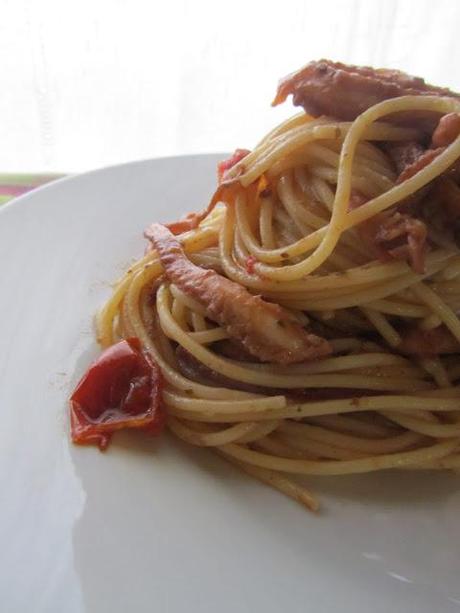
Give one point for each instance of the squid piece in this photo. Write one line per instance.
(438, 341)
(446, 131)
(393, 235)
(404, 154)
(266, 330)
(344, 92)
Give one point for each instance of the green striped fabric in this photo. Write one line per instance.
(13, 185)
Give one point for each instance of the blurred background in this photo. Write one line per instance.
(92, 83)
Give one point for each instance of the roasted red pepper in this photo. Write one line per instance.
(121, 389)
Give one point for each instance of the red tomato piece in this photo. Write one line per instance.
(250, 262)
(224, 166)
(121, 389)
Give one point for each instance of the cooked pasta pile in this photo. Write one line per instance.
(286, 224)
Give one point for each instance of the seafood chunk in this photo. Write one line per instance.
(266, 330)
(344, 92)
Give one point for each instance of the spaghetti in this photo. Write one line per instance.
(307, 323)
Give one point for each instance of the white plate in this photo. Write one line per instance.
(162, 527)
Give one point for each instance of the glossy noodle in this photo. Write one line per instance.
(308, 324)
